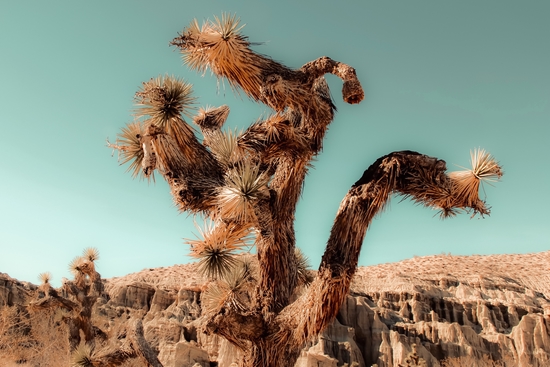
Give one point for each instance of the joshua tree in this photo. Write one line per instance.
(77, 297)
(75, 302)
(248, 185)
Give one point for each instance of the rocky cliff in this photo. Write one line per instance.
(487, 310)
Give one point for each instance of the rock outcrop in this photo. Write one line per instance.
(450, 307)
(14, 292)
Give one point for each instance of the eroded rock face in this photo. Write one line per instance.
(448, 306)
(14, 292)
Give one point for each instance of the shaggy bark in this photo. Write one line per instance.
(283, 335)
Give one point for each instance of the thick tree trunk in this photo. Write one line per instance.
(279, 339)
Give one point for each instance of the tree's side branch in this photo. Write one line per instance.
(352, 92)
(210, 121)
(250, 326)
(296, 137)
(53, 302)
(406, 172)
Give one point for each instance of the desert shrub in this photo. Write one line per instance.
(32, 339)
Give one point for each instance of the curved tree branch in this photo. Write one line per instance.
(352, 92)
(407, 173)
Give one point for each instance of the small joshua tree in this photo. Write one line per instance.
(75, 303)
(248, 185)
(76, 297)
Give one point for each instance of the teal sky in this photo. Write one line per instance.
(441, 78)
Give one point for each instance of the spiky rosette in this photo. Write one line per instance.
(90, 253)
(163, 99)
(225, 147)
(45, 277)
(230, 291)
(244, 185)
(219, 46)
(465, 184)
(242, 274)
(130, 148)
(214, 297)
(82, 356)
(215, 260)
(218, 246)
(211, 118)
(75, 266)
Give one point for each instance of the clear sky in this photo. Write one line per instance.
(441, 78)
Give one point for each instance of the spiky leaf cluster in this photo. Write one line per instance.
(224, 145)
(163, 99)
(219, 46)
(130, 147)
(430, 185)
(75, 266)
(45, 277)
(217, 249)
(245, 184)
(82, 356)
(90, 254)
(161, 102)
(465, 184)
(211, 118)
(83, 267)
(302, 267)
(233, 290)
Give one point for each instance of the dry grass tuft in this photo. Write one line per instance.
(32, 339)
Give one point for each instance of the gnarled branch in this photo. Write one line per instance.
(407, 173)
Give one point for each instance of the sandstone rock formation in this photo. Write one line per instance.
(449, 306)
(13, 292)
